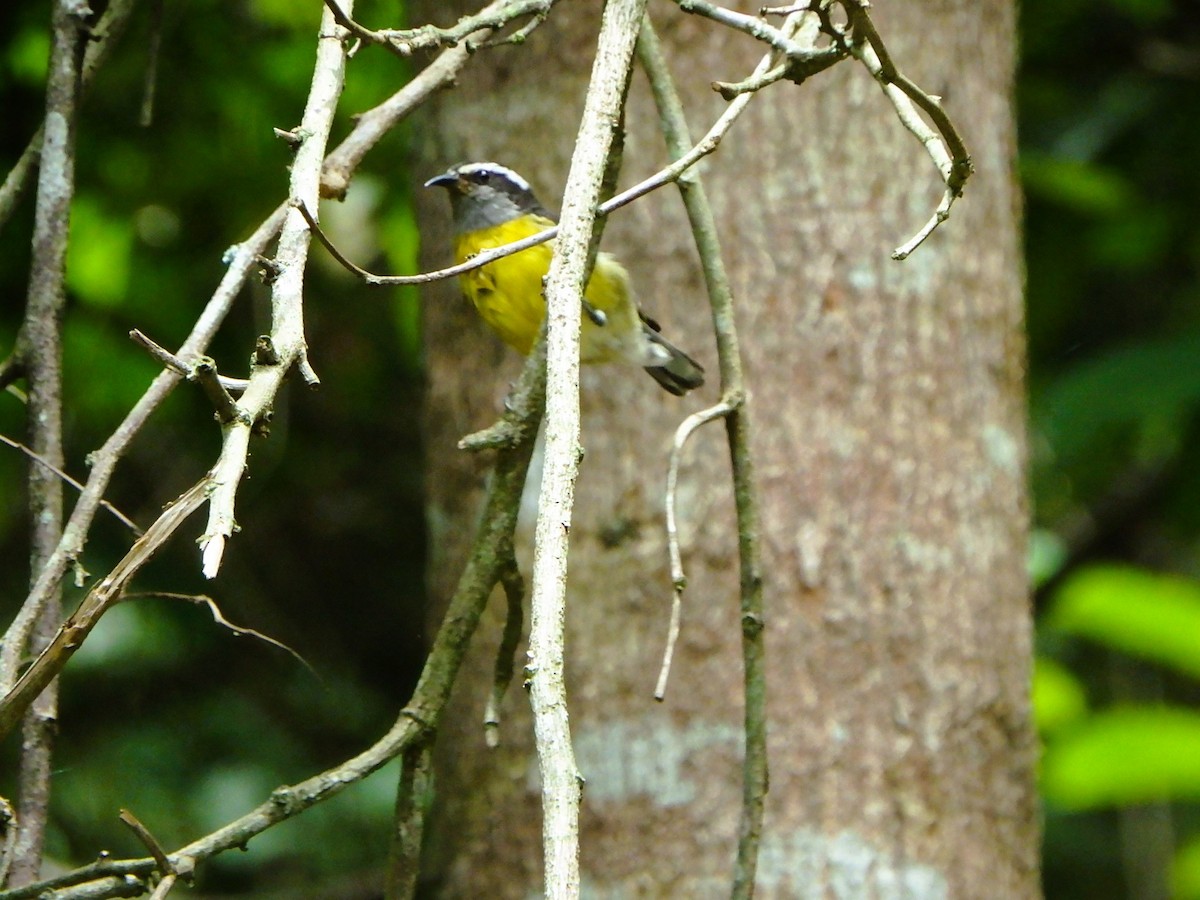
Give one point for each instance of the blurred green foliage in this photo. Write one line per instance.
(169, 714)
(189, 725)
(1109, 108)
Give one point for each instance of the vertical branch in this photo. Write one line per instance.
(754, 781)
(412, 802)
(40, 347)
(561, 781)
(287, 343)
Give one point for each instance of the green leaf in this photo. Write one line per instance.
(1077, 185)
(1185, 871)
(98, 258)
(1123, 757)
(1156, 617)
(1141, 384)
(1058, 696)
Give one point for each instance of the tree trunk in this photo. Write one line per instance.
(889, 440)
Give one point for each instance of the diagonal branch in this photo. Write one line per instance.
(405, 42)
(419, 720)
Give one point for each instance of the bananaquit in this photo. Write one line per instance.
(493, 206)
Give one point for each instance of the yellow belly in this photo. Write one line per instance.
(508, 293)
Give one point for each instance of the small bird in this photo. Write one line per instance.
(492, 206)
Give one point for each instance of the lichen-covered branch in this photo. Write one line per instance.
(39, 347)
(561, 781)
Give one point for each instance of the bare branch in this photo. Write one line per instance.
(493, 544)
(219, 617)
(720, 295)
(412, 803)
(39, 346)
(42, 461)
(514, 596)
(405, 42)
(104, 460)
(800, 59)
(561, 780)
(165, 866)
(945, 147)
(95, 603)
(678, 579)
(175, 364)
(287, 325)
(372, 125)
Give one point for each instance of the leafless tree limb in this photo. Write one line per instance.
(287, 322)
(417, 721)
(565, 281)
(428, 37)
(95, 603)
(42, 461)
(745, 490)
(514, 597)
(798, 60)
(103, 462)
(39, 346)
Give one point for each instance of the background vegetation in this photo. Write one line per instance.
(186, 725)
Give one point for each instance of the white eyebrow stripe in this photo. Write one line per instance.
(508, 173)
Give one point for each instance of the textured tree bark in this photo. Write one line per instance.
(890, 448)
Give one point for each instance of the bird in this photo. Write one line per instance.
(491, 205)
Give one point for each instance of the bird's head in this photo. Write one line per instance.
(486, 194)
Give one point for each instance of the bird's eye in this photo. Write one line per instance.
(482, 176)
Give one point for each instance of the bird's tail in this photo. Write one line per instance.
(679, 373)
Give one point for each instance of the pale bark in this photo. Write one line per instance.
(890, 450)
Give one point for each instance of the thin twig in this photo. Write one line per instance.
(103, 462)
(372, 125)
(423, 712)
(667, 175)
(95, 603)
(408, 828)
(153, 48)
(801, 59)
(170, 361)
(164, 887)
(42, 461)
(745, 492)
(678, 578)
(427, 37)
(502, 672)
(219, 617)
(165, 866)
(944, 146)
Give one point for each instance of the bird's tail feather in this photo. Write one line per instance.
(680, 373)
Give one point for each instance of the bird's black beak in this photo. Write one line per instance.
(446, 180)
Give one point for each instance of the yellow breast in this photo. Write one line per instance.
(508, 292)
